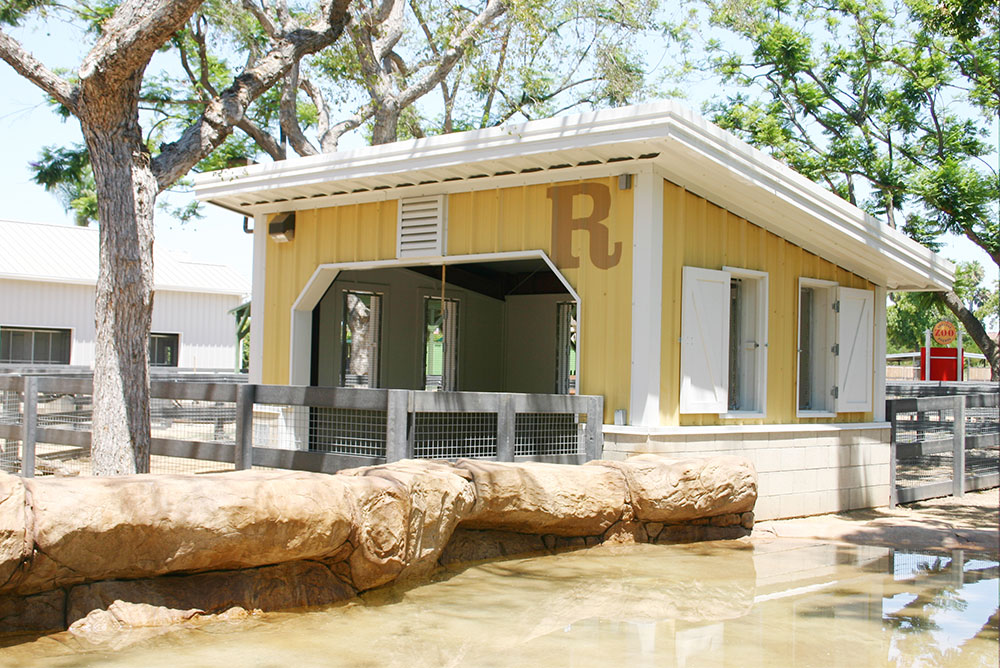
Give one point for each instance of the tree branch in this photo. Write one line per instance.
(331, 138)
(262, 18)
(132, 35)
(228, 108)
(263, 138)
(288, 114)
(456, 50)
(34, 71)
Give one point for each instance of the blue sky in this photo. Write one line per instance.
(27, 124)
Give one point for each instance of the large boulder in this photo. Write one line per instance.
(15, 536)
(407, 511)
(673, 491)
(142, 526)
(537, 498)
(102, 607)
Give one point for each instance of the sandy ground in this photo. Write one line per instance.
(948, 523)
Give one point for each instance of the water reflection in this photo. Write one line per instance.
(783, 603)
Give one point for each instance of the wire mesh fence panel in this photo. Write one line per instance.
(540, 434)
(923, 426)
(346, 431)
(65, 411)
(163, 464)
(70, 455)
(982, 421)
(10, 407)
(187, 420)
(10, 455)
(454, 435)
(10, 415)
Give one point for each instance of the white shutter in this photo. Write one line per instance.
(421, 227)
(704, 341)
(855, 350)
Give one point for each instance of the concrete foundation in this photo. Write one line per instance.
(805, 469)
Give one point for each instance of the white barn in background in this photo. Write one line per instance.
(48, 275)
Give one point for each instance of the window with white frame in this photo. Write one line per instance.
(724, 342)
(23, 345)
(835, 348)
(164, 349)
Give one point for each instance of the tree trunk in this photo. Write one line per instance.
(124, 304)
(386, 122)
(976, 331)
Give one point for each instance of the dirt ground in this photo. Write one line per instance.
(948, 523)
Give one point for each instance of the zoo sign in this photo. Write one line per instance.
(944, 333)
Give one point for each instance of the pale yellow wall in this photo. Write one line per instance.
(513, 219)
(700, 234)
(350, 233)
(488, 221)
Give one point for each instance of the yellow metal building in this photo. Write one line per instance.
(712, 296)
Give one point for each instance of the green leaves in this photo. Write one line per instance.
(65, 172)
(12, 12)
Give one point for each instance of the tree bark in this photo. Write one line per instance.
(124, 304)
(976, 331)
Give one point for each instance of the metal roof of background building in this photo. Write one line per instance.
(69, 254)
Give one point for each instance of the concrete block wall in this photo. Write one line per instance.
(807, 469)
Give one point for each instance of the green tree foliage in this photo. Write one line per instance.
(65, 172)
(890, 104)
(912, 313)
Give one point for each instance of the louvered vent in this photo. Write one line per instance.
(421, 227)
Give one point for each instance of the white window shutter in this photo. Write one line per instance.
(421, 227)
(704, 341)
(855, 350)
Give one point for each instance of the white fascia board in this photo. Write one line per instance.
(811, 216)
(513, 142)
(450, 187)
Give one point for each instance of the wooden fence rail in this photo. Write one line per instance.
(399, 407)
(930, 415)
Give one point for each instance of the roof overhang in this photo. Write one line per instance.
(680, 145)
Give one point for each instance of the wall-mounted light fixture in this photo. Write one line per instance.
(282, 228)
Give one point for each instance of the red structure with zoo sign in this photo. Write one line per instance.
(944, 364)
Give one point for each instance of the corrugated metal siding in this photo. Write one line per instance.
(514, 219)
(207, 329)
(351, 233)
(35, 304)
(698, 233)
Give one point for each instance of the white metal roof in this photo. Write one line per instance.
(69, 254)
(683, 146)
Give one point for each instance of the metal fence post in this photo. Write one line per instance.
(28, 426)
(243, 457)
(958, 459)
(890, 410)
(396, 416)
(506, 426)
(594, 440)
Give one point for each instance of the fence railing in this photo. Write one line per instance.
(45, 426)
(943, 445)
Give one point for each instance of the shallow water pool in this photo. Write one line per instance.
(783, 603)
